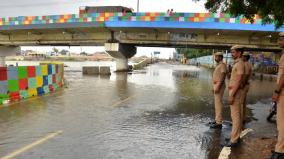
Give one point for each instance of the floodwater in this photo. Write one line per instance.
(157, 113)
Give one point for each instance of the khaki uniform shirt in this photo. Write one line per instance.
(248, 71)
(237, 70)
(281, 70)
(217, 74)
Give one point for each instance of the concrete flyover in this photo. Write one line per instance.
(122, 32)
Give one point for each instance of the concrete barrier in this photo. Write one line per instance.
(91, 70)
(96, 70)
(105, 70)
(268, 77)
(21, 82)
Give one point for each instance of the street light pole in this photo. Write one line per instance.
(137, 6)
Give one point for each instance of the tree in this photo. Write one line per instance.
(64, 52)
(55, 50)
(83, 54)
(271, 11)
(194, 53)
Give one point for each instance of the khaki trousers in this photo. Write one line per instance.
(218, 98)
(244, 102)
(236, 109)
(280, 124)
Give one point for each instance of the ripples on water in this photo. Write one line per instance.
(164, 115)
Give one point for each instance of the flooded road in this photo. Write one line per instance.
(159, 113)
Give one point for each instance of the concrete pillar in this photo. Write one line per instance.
(121, 64)
(2, 61)
(121, 52)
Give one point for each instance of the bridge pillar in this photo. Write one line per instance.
(121, 52)
(8, 51)
(121, 64)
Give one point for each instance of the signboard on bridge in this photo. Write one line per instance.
(183, 36)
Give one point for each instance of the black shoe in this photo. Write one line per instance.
(230, 144)
(228, 139)
(216, 126)
(212, 122)
(277, 155)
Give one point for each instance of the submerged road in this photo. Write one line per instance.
(157, 113)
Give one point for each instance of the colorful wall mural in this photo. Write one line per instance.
(17, 83)
(131, 17)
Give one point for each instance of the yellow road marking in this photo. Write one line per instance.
(226, 151)
(122, 101)
(32, 145)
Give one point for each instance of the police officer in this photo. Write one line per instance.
(246, 85)
(235, 93)
(278, 97)
(219, 86)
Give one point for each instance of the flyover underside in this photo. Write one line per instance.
(121, 52)
(200, 38)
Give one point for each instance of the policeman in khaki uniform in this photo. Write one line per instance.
(278, 97)
(235, 94)
(246, 85)
(219, 86)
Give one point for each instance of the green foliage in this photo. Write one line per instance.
(194, 53)
(271, 11)
(64, 52)
(83, 54)
(55, 50)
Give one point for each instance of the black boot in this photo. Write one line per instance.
(212, 122)
(228, 139)
(216, 126)
(230, 144)
(277, 155)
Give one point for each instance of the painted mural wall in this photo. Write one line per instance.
(17, 83)
(132, 17)
(263, 62)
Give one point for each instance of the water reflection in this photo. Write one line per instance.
(164, 116)
(186, 74)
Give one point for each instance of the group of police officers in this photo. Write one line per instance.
(238, 88)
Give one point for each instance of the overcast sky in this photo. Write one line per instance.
(50, 7)
(9, 8)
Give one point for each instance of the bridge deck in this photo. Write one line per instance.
(136, 20)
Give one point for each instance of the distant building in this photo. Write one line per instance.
(36, 54)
